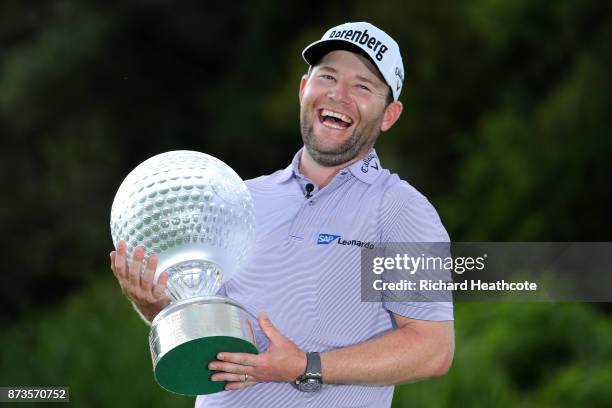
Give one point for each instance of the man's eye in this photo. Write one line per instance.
(329, 77)
(365, 88)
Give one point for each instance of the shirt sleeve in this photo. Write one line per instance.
(411, 226)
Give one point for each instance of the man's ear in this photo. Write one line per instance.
(302, 86)
(391, 115)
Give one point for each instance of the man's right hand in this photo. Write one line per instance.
(148, 298)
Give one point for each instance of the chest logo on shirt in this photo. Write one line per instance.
(325, 239)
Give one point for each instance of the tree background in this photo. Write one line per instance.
(506, 129)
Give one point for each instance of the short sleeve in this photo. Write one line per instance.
(410, 224)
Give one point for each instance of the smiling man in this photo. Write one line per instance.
(322, 346)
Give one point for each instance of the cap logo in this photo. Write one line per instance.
(363, 39)
(400, 75)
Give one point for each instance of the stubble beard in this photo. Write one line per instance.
(358, 143)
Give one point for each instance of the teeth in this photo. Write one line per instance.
(333, 125)
(333, 114)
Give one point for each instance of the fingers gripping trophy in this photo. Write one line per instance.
(196, 214)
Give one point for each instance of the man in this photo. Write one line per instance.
(326, 347)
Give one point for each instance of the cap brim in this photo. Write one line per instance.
(317, 50)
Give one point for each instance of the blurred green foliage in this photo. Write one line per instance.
(528, 355)
(93, 343)
(506, 128)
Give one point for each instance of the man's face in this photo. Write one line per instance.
(342, 111)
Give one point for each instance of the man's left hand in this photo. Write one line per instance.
(284, 361)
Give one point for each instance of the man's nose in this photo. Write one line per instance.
(339, 93)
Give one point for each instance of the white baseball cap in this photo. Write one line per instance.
(367, 40)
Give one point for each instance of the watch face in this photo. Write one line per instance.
(310, 385)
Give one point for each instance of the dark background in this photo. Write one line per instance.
(506, 129)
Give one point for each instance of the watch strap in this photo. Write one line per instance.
(313, 365)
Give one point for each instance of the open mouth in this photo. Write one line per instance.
(334, 120)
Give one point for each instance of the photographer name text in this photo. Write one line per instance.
(424, 285)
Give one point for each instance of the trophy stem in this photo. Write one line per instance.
(193, 278)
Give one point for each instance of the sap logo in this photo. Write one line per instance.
(325, 239)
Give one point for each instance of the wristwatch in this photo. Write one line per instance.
(312, 379)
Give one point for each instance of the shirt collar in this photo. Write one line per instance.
(366, 169)
(291, 170)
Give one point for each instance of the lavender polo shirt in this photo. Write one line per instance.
(310, 290)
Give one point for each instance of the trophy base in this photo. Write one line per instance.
(187, 335)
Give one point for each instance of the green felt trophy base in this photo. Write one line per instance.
(188, 334)
(184, 369)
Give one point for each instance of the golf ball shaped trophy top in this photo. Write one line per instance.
(196, 214)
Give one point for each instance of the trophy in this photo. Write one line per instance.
(196, 214)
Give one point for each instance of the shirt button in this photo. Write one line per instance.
(311, 202)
